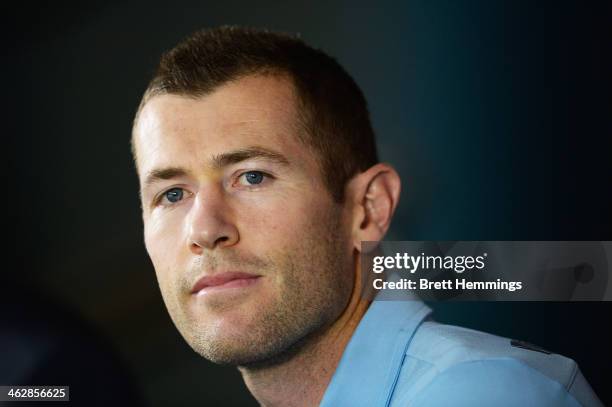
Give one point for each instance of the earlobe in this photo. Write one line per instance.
(376, 195)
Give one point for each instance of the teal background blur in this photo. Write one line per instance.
(496, 114)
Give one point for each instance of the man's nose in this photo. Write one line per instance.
(210, 222)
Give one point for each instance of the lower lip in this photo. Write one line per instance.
(238, 283)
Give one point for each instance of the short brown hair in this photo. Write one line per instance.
(333, 110)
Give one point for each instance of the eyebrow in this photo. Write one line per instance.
(219, 161)
(236, 156)
(161, 174)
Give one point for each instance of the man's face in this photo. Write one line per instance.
(232, 196)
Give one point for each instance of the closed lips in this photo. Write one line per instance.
(220, 279)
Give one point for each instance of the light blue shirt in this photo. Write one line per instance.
(399, 357)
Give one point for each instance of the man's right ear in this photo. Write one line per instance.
(374, 195)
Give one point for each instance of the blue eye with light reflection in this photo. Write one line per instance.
(174, 195)
(254, 177)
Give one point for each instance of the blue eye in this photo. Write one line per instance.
(254, 177)
(174, 195)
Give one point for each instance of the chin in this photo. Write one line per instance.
(233, 350)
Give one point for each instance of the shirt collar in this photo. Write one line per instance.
(371, 363)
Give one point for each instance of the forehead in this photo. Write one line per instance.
(251, 111)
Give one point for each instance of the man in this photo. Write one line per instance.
(259, 180)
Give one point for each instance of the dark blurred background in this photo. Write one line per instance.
(496, 114)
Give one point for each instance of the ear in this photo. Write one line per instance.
(375, 195)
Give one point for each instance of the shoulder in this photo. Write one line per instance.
(458, 366)
(500, 382)
(444, 346)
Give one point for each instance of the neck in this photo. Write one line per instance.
(301, 380)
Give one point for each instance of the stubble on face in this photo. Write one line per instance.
(313, 286)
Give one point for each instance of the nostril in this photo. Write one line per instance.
(195, 247)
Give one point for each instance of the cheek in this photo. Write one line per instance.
(288, 225)
(163, 236)
(163, 244)
(276, 220)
